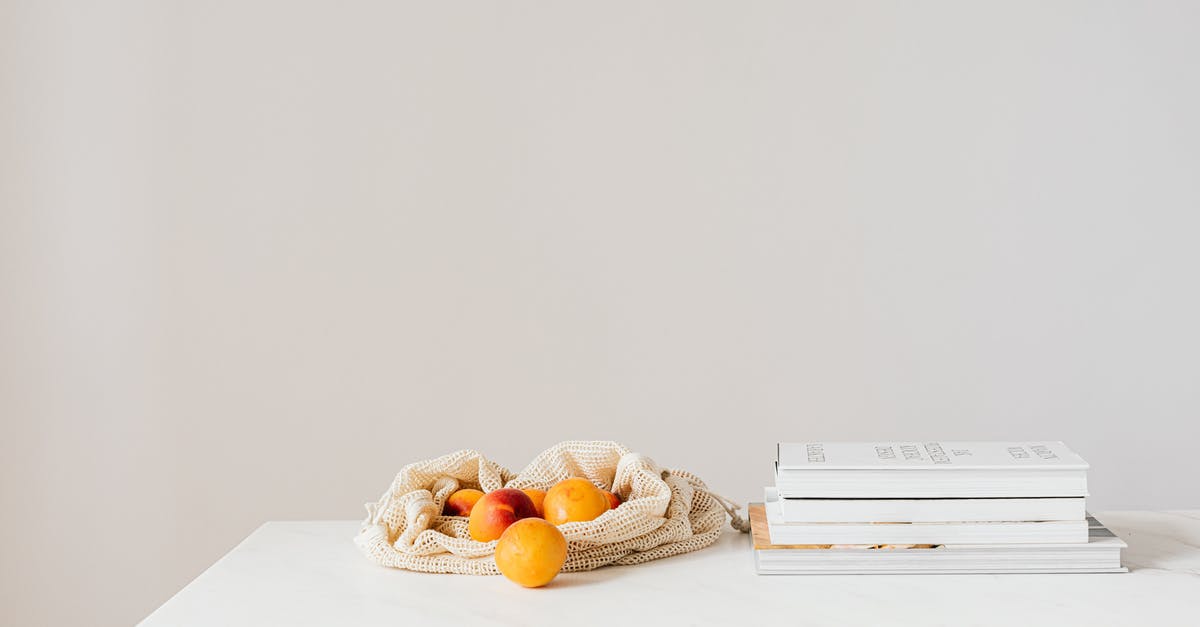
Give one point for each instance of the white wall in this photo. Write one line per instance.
(255, 256)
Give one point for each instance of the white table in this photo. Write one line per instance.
(298, 574)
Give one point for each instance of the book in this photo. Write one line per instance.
(1001, 532)
(929, 470)
(1100, 554)
(932, 510)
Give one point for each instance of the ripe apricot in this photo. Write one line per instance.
(574, 500)
(530, 552)
(461, 502)
(537, 496)
(496, 510)
(614, 501)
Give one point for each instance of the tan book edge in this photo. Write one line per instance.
(762, 535)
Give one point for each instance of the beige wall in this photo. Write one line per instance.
(255, 256)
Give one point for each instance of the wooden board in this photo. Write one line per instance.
(762, 534)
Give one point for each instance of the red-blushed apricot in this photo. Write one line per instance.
(497, 510)
(461, 502)
(614, 501)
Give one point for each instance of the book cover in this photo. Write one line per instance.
(941, 532)
(961, 455)
(1101, 554)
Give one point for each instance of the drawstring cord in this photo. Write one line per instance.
(735, 520)
(731, 508)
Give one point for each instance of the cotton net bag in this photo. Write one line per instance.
(665, 511)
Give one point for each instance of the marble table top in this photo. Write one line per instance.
(310, 573)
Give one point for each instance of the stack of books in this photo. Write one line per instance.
(929, 507)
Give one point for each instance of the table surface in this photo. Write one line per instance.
(311, 573)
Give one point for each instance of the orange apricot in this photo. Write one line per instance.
(537, 496)
(530, 552)
(574, 500)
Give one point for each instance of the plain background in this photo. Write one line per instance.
(255, 256)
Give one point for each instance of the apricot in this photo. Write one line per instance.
(461, 502)
(574, 500)
(531, 552)
(496, 510)
(614, 501)
(537, 496)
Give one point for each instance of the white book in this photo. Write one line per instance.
(1044, 532)
(1101, 554)
(929, 470)
(932, 510)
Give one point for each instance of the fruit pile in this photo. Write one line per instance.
(421, 524)
(530, 548)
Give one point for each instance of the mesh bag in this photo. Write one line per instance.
(665, 512)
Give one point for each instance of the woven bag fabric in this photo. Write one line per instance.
(665, 511)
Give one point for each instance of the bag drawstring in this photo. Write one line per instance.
(731, 508)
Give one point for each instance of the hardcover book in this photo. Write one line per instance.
(935, 532)
(1100, 554)
(931, 510)
(929, 470)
